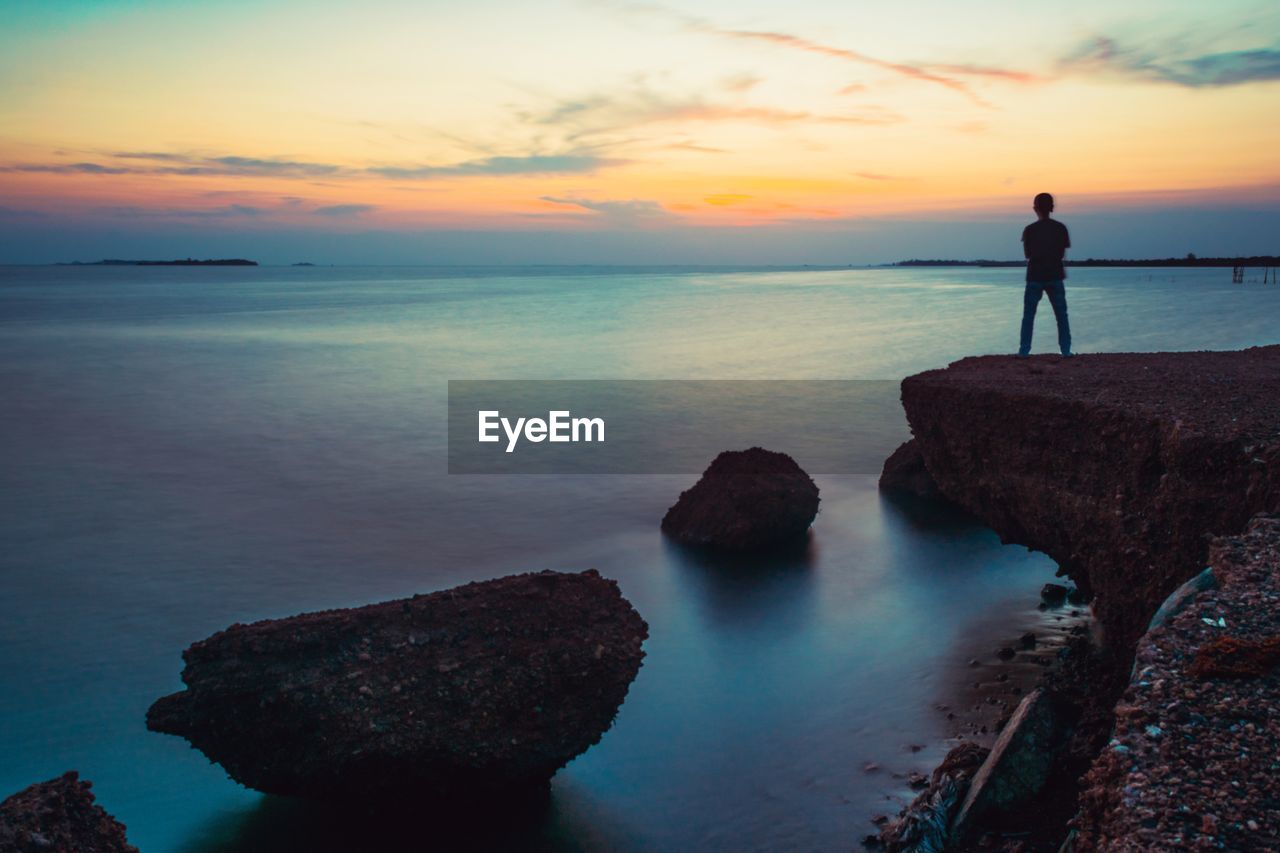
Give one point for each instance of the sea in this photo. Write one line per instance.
(186, 448)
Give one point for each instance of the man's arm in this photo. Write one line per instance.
(1026, 252)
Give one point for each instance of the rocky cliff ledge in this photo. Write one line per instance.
(1119, 467)
(1124, 468)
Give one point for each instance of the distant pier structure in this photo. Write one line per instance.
(1268, 275)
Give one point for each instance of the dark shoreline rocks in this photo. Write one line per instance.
(59, 815)
(1122, 468)
(925, 824)
(480, 691)
(1192, 759)
(1118, 466)
(904, 473)
(746, 500)
(1017, 768)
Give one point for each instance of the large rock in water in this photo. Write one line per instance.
(745, 500)
(59, 815)
(482, 690)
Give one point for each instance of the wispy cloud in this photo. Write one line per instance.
(339, 210)
(598, 113)
(740, 82)
(170, 163)
(230, 165)
(1229, 68)
(161, 163)
(67, 168)
(624, 210)
(946, 75)
(229, 211)
(726, 199)
(538, 164)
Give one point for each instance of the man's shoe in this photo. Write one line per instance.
(1022, 355)
(1068, 355)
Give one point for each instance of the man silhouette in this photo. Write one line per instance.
(1044, 242)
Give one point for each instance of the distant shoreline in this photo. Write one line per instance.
(189, 262)
(1189, 261)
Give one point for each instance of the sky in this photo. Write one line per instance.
(613, 131)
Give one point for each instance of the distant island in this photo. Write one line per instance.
(189, 262)
(303, 264)
(1188, 261)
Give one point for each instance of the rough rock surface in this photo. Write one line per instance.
(905, 473)
(482, 690)
(746, 500)
(1122, 468)
(1019, 763)
(1116, 466)
(1196, 750)
(59, 816)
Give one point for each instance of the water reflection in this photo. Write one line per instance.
(562, 820)
(752, 593)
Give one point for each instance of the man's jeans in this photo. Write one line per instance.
(1057, 292)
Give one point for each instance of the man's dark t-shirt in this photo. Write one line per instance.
(1045, 240)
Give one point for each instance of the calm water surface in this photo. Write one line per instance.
(186, 448)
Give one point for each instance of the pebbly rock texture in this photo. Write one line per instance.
(905, 473)
(59, 816)
(746, 500)
(1193, 760)
(1116, 466)
(482, 690)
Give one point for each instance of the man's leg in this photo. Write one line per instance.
(1030, 298)
(1057, 291)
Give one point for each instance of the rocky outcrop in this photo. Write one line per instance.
(1192, 764)
(1116, 466)
(479, 691)
(1123, 468)
(59, 815)
(905, 473)
(746, 500)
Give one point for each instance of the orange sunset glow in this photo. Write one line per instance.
(612, 115)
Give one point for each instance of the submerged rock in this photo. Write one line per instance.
(482, 690)
(59, 815)
(745, 500)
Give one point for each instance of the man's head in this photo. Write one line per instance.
(1043, 205)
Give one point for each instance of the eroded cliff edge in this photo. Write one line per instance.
(1123, 468)
(1119, 467)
